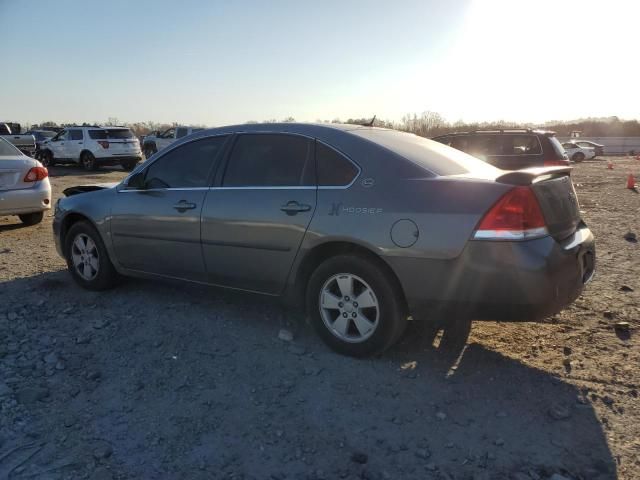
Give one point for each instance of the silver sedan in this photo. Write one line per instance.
(25, 190)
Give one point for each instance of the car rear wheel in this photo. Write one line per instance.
(46, 158)
(87, 258)
(31, 218)
(353, 305)
(88, 161)
(578, 157)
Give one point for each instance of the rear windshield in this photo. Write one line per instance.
(557, 146)
(119, 133)
(8, 149)
(431, 155)
(110, 134)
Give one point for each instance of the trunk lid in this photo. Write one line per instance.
(13, 171)
(556, 195)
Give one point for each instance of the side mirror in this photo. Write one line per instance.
(136, 181)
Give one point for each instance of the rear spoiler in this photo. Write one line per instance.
(529, 175)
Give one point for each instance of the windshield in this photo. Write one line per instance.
(8, 149)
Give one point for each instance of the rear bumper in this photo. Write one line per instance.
(507, 281)
(118, 159)
(26, 200)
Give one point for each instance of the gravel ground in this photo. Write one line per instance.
(163, 380)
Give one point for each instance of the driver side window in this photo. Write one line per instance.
(187, 166)
(62, 135)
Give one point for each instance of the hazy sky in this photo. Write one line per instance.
(215, 62)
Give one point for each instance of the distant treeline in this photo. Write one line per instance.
(431, 124)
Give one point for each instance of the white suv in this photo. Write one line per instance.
(92, 147)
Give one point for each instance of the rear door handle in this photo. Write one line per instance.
(293, 207)
(183, 206)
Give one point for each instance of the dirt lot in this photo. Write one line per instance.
(159, 380)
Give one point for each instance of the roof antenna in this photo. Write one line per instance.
(369, 124)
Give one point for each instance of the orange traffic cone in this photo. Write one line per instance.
(631, 182)
(609, 165)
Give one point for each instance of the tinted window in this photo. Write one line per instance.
(460, 142)
(119, 133)
(98, 134)
(520, 145)
(334, 169)
(181, 132)
(187, 166)
(75, 134)
(268, 160)
(483, 145)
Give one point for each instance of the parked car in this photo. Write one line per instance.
(25, 143)
(92, 147)
(597, 147)
(577, 153)
(41, 136)
(155, 141)
(24, 185)
(365, 226)
(510, 149)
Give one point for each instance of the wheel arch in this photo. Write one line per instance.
(299, 280)
(86, 150)
(69, 221)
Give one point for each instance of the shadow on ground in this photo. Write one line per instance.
(167, 381)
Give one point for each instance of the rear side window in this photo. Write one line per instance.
(181, 132)
(75, 134)
(119, 133)
(270, 160)
(98, 134)
(187, 166)
(520, 145)
(334, 169)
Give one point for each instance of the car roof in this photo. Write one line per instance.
(505, 131)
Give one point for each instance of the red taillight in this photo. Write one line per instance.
(516, 216)
(103, 143)
(556, 163)
(36, 174)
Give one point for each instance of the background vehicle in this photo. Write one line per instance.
(25, 143)
(597, 147)
(509, 149)
(364, 226)
(155, 141)
(41, 136)
(577, 153)
(24, 185)
(92, 147)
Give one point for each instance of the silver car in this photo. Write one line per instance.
(24, 185)
(364, 227)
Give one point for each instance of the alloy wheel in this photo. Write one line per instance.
(349, 307)
(85, 257)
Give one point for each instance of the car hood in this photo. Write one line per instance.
(68, 192)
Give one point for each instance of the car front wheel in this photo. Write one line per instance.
(354, 306)
(87, 258)
(88, 161)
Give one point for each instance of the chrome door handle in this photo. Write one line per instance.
(183, 206)
(291, 208)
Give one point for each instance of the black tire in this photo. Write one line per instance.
(46, 158)
(106, 275)
(88, 161)
(149, 150)
(129, 166)
(392, 312)
(578, 157)
(31, 218)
